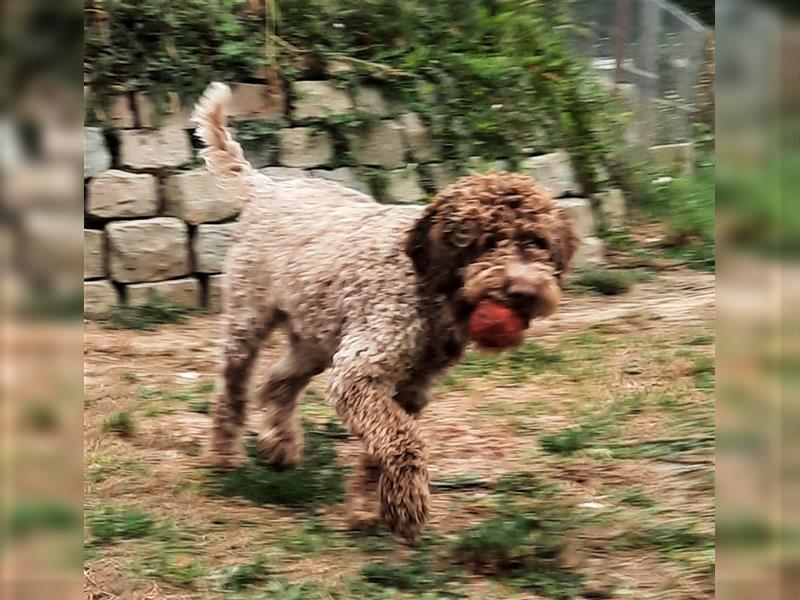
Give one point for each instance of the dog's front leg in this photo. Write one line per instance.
(364, 402)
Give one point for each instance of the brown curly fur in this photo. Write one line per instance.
(378, 295)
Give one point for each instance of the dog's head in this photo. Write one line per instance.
(496, 236)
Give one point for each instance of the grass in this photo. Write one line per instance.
(522, 549)
(112, 523)
(317, 480)
(237, 577)
(608, 282)
(514, 367)
(635, 497)
(145, 317)
(120, 423)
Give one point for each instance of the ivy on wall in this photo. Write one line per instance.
(494, 78)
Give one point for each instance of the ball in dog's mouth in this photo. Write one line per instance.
(495, 326)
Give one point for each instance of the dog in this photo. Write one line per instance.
(379, 296)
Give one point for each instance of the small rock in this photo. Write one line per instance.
(552, 171)
(94, 254)
(154, 148)
(211, 244)
(96, 157)
(369, 98)
(305, 147)
(380, 145)
(580, 210)
(214, 293)
(196, 197)
(418, 137)
(314, 99)
(403, 187)
(180, 292)
(148, 249)
(98, 297)
(590, 253)
(121, 194)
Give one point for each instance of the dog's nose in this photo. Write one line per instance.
(534, 284)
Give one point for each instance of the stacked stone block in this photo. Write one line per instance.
(157, 222)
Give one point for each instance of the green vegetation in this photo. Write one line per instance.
(493, 79)
(317, 480)
(237, 577)
(608, 282)
(113, 523)
(514, 367)
(145, 317)
(522, 549)
(120, 423)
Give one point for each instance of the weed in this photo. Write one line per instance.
(112, 523)
(522, 549)
(309, 537)
(608, 282)
(568, 441)
(668, 538)
(702, 339)
(318, 479)
(145, 317)
(120, 423)
(234, 578)
(635, 497)
(129, 377)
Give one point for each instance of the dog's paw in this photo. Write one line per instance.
(223, 461)
(281, 448)
(404, 495)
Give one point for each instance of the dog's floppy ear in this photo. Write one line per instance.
(418, 244)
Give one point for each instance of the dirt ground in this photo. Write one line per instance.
(609, 409)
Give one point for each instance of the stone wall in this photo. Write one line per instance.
(156, 222)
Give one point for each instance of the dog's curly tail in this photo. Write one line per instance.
(223, 155)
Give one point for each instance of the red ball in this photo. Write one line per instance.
(492, 325)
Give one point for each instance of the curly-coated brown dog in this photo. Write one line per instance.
(379, 295)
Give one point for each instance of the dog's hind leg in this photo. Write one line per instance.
(243, 334)
(281, 437)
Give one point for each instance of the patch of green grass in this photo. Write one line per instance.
(609, 282)
(635, 497)
(521, 549)
(567, 441)
(702, 339)
(173, 566)
(120, 423)
(113, 523)
(703, 371)
(309, 537)
(317, 480)
(145, 317)
(418, 574)
(235, 578)
(527, 484)
(516, 366)
(669, 538)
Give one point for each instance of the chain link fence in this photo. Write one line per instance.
(658, 58)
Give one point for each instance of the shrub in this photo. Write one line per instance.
(120, 423)
(604, 281)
